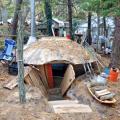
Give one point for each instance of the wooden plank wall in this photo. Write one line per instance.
(35, 78)
(43, 74)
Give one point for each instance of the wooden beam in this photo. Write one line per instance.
(68, 79)
(3, 35)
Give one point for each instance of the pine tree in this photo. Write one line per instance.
(15, 18)
(112, 8)
(48, 12)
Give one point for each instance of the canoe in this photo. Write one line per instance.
(111, 101)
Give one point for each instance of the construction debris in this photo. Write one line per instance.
(102, 95)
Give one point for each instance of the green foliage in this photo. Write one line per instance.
(1, 43)
(104, 7)
(80, 7)
(110, 7)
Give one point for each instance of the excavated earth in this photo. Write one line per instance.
(37, 107)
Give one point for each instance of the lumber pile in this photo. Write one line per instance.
(69, 106)
(102, 92)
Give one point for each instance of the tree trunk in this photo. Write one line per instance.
(32, 18)
(15, 18)
(104, 26)
(98, 31)
(89, 37)
(70, 17)
(0, 14)
(22, 93)
(116, 44)
(48, 13)
(4, 15)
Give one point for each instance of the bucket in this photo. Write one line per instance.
(113, 75)
(68, 36)
(13, 69)
(107, 70)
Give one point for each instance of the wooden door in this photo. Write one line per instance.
(68, 79)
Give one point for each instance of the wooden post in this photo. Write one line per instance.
(22, 93)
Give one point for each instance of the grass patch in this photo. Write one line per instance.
(1, 43)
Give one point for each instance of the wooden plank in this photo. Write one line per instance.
(68, 79)
(61, 102)
(43, 74)
(79, 109)
(27, 71)
(3, 35)
(102, 92)
(13, 83)
(107, 97)
(69, 106)
(42, 86)
(34, 75)
(34, 79)
(28, 80)
(105, 93)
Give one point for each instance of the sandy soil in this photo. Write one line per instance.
(105, 112)
(37, 108)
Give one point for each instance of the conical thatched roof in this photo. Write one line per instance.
(55, 49)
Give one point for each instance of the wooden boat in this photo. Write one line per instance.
(111, 101)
